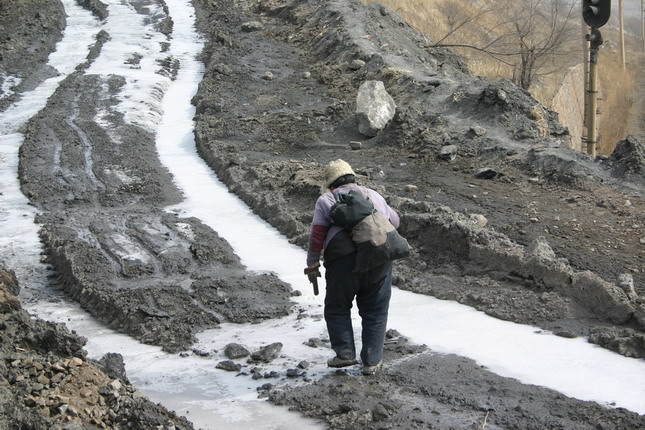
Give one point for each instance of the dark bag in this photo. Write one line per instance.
(350, 209)
(376, 239)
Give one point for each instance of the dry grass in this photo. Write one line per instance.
(618, 86)
(429, 17)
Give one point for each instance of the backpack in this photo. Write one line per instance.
(376, 239)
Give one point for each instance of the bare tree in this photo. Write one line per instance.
(533, 37)
(543, 32)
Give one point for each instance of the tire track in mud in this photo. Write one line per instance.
(99, 186)
(101, 193)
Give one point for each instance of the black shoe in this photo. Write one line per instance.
(341, 362)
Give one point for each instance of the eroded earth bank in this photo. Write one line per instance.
(501, 216)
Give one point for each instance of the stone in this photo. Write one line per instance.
(251, 26)
(315, 342)
(268, 76)
(201, 353)
(604, 298)
(626, 283)
(304, 364)
(222, 69)
(540, 249)
(448, 153)
(355, 145)
(479, 220)
(75, 362)
(235, 350)
(115, 384)
(113, 365)
(356, 64)
(478, 130)
(392, 334)
(229, 366)
(486, 173)
(294, 373)
(267, 353)
(374, 108)
(265, 387)
(411, 188)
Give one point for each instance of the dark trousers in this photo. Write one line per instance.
(372, 291)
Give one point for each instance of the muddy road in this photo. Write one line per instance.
(510, 222)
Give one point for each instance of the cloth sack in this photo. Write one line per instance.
(376, 239)
(350, 208)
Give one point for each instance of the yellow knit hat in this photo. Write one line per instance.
(335, 169)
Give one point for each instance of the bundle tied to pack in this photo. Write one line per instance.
(376, 239)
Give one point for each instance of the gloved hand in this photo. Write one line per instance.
(313, 272)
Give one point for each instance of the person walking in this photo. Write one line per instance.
(371, 289)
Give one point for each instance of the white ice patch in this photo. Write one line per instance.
(122, 176)
(8, 85)
(186, 229)
(134, 51)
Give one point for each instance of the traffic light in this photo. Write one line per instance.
(596, 12)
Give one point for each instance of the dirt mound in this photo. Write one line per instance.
(32, 26)
(628, 159)
(46, 381)
(268, 144)
(417, 396)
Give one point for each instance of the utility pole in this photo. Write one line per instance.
(596, 14)
(643, 23)
(585, 76)
(595, 40)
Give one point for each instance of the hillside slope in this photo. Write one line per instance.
(562, 231)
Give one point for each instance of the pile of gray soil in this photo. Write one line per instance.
(47, 382)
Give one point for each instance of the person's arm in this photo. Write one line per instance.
(381, 205)
(319, 227)
(393, 217)
(316, 240)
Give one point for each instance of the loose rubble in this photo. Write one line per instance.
(46, 380)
